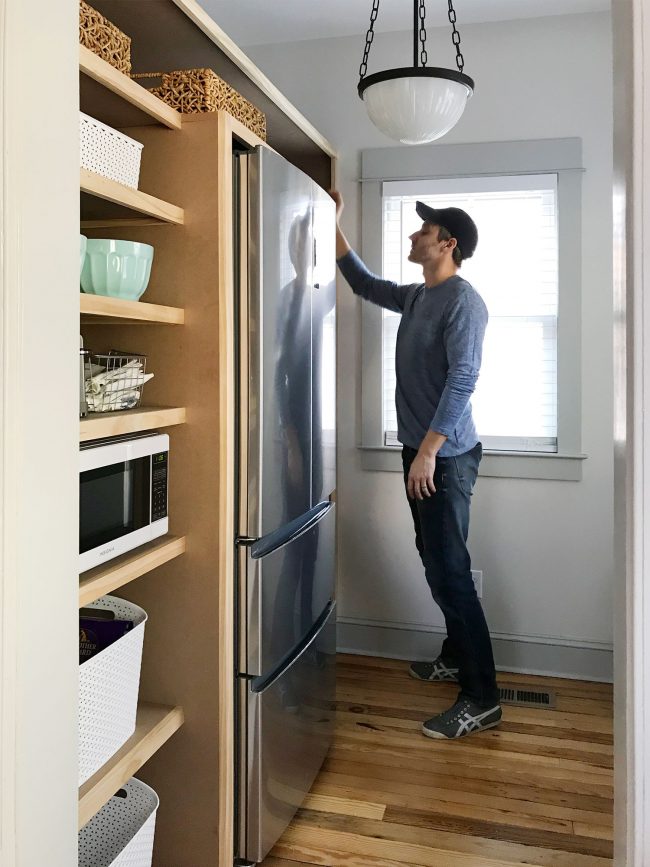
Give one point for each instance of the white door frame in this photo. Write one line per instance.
(39, 308)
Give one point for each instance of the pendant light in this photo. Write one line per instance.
(419, 103)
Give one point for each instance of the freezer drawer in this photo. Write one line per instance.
(289, 728)
(285, 587)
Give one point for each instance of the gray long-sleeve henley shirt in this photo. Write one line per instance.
(438, 353)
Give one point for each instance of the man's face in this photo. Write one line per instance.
(426, 247)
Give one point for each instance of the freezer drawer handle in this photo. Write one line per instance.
(268, 548)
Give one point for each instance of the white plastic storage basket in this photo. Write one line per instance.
(108, 690)
(108, 152)
(121, 834)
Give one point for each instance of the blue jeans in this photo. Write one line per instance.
(441, 528)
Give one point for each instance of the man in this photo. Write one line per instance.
(437, 359)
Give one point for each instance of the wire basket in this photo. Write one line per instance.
(115, 381)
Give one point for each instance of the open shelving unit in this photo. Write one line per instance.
(185, 581)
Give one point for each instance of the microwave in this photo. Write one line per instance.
(123, 493)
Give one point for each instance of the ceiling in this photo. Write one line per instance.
(263, 22)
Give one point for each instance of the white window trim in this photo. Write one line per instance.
(562, 157)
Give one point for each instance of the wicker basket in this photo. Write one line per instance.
(104, 38)
(199, 90)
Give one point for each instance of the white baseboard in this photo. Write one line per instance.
(553, 657)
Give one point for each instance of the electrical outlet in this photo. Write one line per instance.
(477, 577)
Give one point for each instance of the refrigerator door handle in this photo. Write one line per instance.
(272, 543)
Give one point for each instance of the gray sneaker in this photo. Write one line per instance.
(436, 670)
(463, 719)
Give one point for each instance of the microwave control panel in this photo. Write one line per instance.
(159, 464)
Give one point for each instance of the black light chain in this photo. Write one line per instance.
(455, 37)
(423, 34)
(370, 35)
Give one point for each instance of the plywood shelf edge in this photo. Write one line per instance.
(132, 92)
(135, 200)
(109, 424)
(155, 724)
(98, 309)
(104, 579)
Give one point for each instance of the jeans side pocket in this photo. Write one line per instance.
(466, 478)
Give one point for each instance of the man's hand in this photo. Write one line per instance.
(338, 200)
(420, 480)
(342, 246)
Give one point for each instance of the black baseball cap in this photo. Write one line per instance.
(457, 222)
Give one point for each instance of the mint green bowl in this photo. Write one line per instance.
(118, 269)
(82, 251)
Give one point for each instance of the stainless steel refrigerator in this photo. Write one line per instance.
(285, 546)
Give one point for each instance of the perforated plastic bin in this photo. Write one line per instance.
(109, 153)
(121, 834)
(108, 691)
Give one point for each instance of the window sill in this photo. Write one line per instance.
(502, 465)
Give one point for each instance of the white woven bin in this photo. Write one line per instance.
(108, 691)
(121, 833)
(108, 152)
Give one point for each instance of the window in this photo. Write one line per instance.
(526, 199)
(515, 269)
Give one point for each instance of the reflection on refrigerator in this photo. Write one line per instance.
(286, 614)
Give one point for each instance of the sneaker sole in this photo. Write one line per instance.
(432, 679)
(440, 737)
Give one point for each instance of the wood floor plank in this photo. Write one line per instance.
(344, 806)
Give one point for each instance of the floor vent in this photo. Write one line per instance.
(541, 698)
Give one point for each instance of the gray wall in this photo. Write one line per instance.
(545, 547)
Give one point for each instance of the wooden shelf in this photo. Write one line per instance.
(128, 198)
(155, 724)
(116, 82)
(108, 424)
(104, 579)
(99, 310)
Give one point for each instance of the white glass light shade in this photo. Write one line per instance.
(415, 110)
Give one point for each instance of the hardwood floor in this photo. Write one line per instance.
(537, 790)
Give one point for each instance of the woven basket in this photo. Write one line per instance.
(104, 38)
(191, 91)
